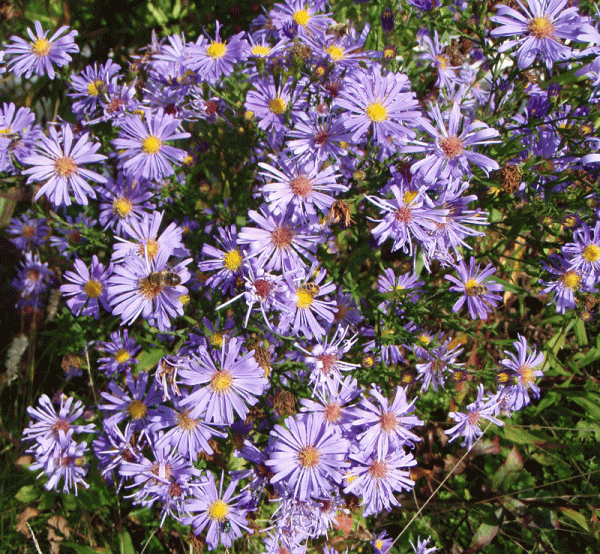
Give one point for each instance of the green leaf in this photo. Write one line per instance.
(519, 436)
(575, 516)
(591, 405)
(148, 359)
(80, 548)
(511, 467)
(580, 333)
(126, 544)
(28, 494)
(483, 536)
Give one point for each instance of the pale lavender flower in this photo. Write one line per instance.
(18, 134)
(58, 163)
(468, 424)
(476, 289)
(40, 54)
(307, 457)
(142, 147)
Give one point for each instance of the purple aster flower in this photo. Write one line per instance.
(121, 350)
(58, 164)
(435, 363)
(223, 512)
(334, 403)
(186, 435)
(434, 52)
(68, 237)
(381, 103)
(224, 390)
(142, 145)
(382, 543)
(564, 287)
(216, 58)
(476, 289)
(40, 53)
(117, 103)
(135, 405)
(307, 457)
(303, 187)
(386, 425)
(518, 377)
(425, 5)
(407, 215)
(18, 135)
(468, 424)
(423, 546)
(150, 288)
(318, 137)
(324, 360)
(583, 255)
(280, 240)
(227, 260)
(269, 103)
(303, 17)
(541, 29)
(113, 447)
(89, 85)
(61, 458)
(122, 200)
(87, 288)
(303, 303)
(451, 154)
(399, 289)
(28, 233)
(376, 477)
(33, 278)
(147, 243)
(48, 422)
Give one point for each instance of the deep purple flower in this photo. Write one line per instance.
(27, 232)
(58, 164)
(142, 145)
(434, 52)
(475, 288)
(307, 457)
(38, 55)
(225, 387)
(87, 288)
(382, 543)
(89, 85)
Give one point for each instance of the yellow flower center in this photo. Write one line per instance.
(571, 280)
(41, 47)
(309, 456)
(232, 260)
(122, 207)
(305, 298)
(277, 105)
(93, 288)
(260, 50)
(591, 253)
(442, 61)
(65, 167)
(376, 112)
(218, 510)
(94, 87)
(216, 50)
(217, 340)
(137, 409)
(151, 144)
(122, 356)
(424, 339)
(541, 27)
(221, 381)
(301, 17)
(526, 374)
(249, 115)
(335, 53)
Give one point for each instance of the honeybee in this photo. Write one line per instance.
(477, 290)
(164, 278)
(338, 30)
(312, 288)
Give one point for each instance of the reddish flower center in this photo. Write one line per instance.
(333, 413)
(474, 418)
(403, 214)
(185, 422)
(262, 287)
(321, 137)
(301, 186)
(328, 361)
(451, 146)
(281, 237)
(378, 469)
(388, 422)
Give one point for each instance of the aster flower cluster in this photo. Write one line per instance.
(281, 237)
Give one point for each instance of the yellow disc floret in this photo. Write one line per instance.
(376, 112)
(93, 288)
(151, 144)
(216, 50)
